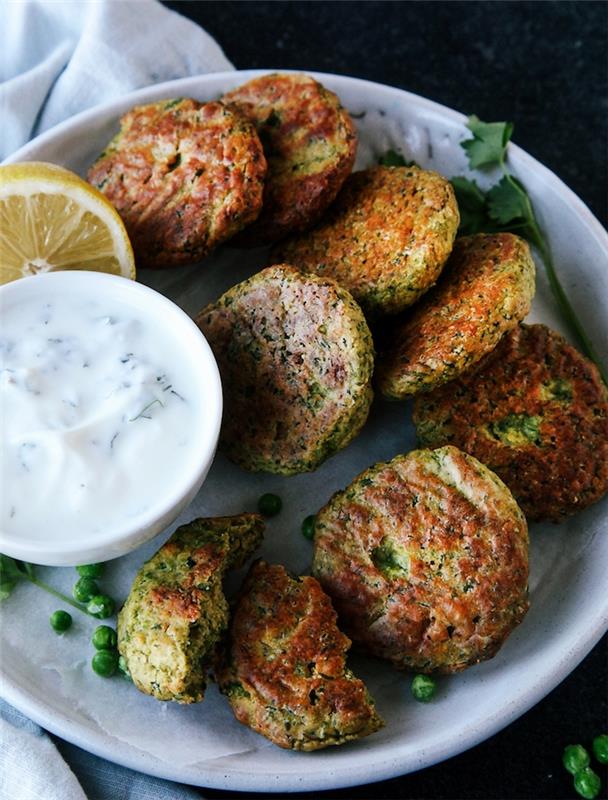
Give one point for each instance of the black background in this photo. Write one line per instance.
(544, 66)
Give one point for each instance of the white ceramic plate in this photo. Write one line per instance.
(48, 677)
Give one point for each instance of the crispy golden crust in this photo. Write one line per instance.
(284, 667)
(426, 560)
(385, 239)
(485, 290)
(296, 356)
(184, 176)
(310, 144)
(536, 412)
(176, 610)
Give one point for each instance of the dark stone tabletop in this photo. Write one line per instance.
(543, 65)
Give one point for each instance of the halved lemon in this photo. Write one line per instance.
(51, 219)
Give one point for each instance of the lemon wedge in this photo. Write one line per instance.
(51, 219)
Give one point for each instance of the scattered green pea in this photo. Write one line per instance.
(104, 638)
(587, 783)
(84, 589)
(423, 688)
(600, 748)
(308, 527)
(575, 758)
(105, 663)
(90, 570)
(60, 621)
(100, 606)
(270, 504)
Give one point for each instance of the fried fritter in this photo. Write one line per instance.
(385, 239)
(310, 144)
(296, 357)
(184, 176)
(426, 560)
(284, 667)
(176, 611)
(536, 412)
(485, 290)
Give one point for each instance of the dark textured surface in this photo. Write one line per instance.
(544, 66)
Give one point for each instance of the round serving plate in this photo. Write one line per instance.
(49, 678)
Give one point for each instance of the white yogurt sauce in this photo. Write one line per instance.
(97, 410)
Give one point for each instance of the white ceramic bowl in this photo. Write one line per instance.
(180, 339)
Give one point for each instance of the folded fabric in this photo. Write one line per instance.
(59, 58)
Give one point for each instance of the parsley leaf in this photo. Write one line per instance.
(472, 205)
(489, 143)
(394, 159)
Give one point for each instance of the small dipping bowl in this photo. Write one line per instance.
(45, 518)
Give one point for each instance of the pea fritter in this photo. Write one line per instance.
(184, 176)
(426, 560)
(176, 611)
(385, 239)
(485, 290)
(284, 669)
(296, 357)
(310, 144)
(536, 412)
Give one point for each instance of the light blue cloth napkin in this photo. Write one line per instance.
(59, 58)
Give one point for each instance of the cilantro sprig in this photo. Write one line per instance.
(506, 206)
(13, 572)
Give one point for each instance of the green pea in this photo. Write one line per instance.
(104, 638)
(587, 783)
(90, 570)
(105, 663)
(308, 527)
(423, 688)
(100, 606)
(60, 621)
(600, 748)
(575, 757)
(84, 589)
(270, 504)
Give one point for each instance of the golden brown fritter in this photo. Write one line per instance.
(184, 176)
(426, 560)
(284, 667)
(310, 144)
(536, 412)
(296, 357)
(385, 239)
(485, 290)
(176, 611)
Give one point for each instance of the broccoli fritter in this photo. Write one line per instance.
(310, 144)
(484, 291)
(176, 611)
(385, 239)
(426, 560)
(184, 176)
(536, 412)
(296, 357)
(284, 666)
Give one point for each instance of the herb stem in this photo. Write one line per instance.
(64, 598)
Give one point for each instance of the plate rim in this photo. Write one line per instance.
(96, 741)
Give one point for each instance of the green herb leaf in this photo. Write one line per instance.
(508, 201)
(472, 206)
(394, 159)
(10, 575)
(489, 143)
